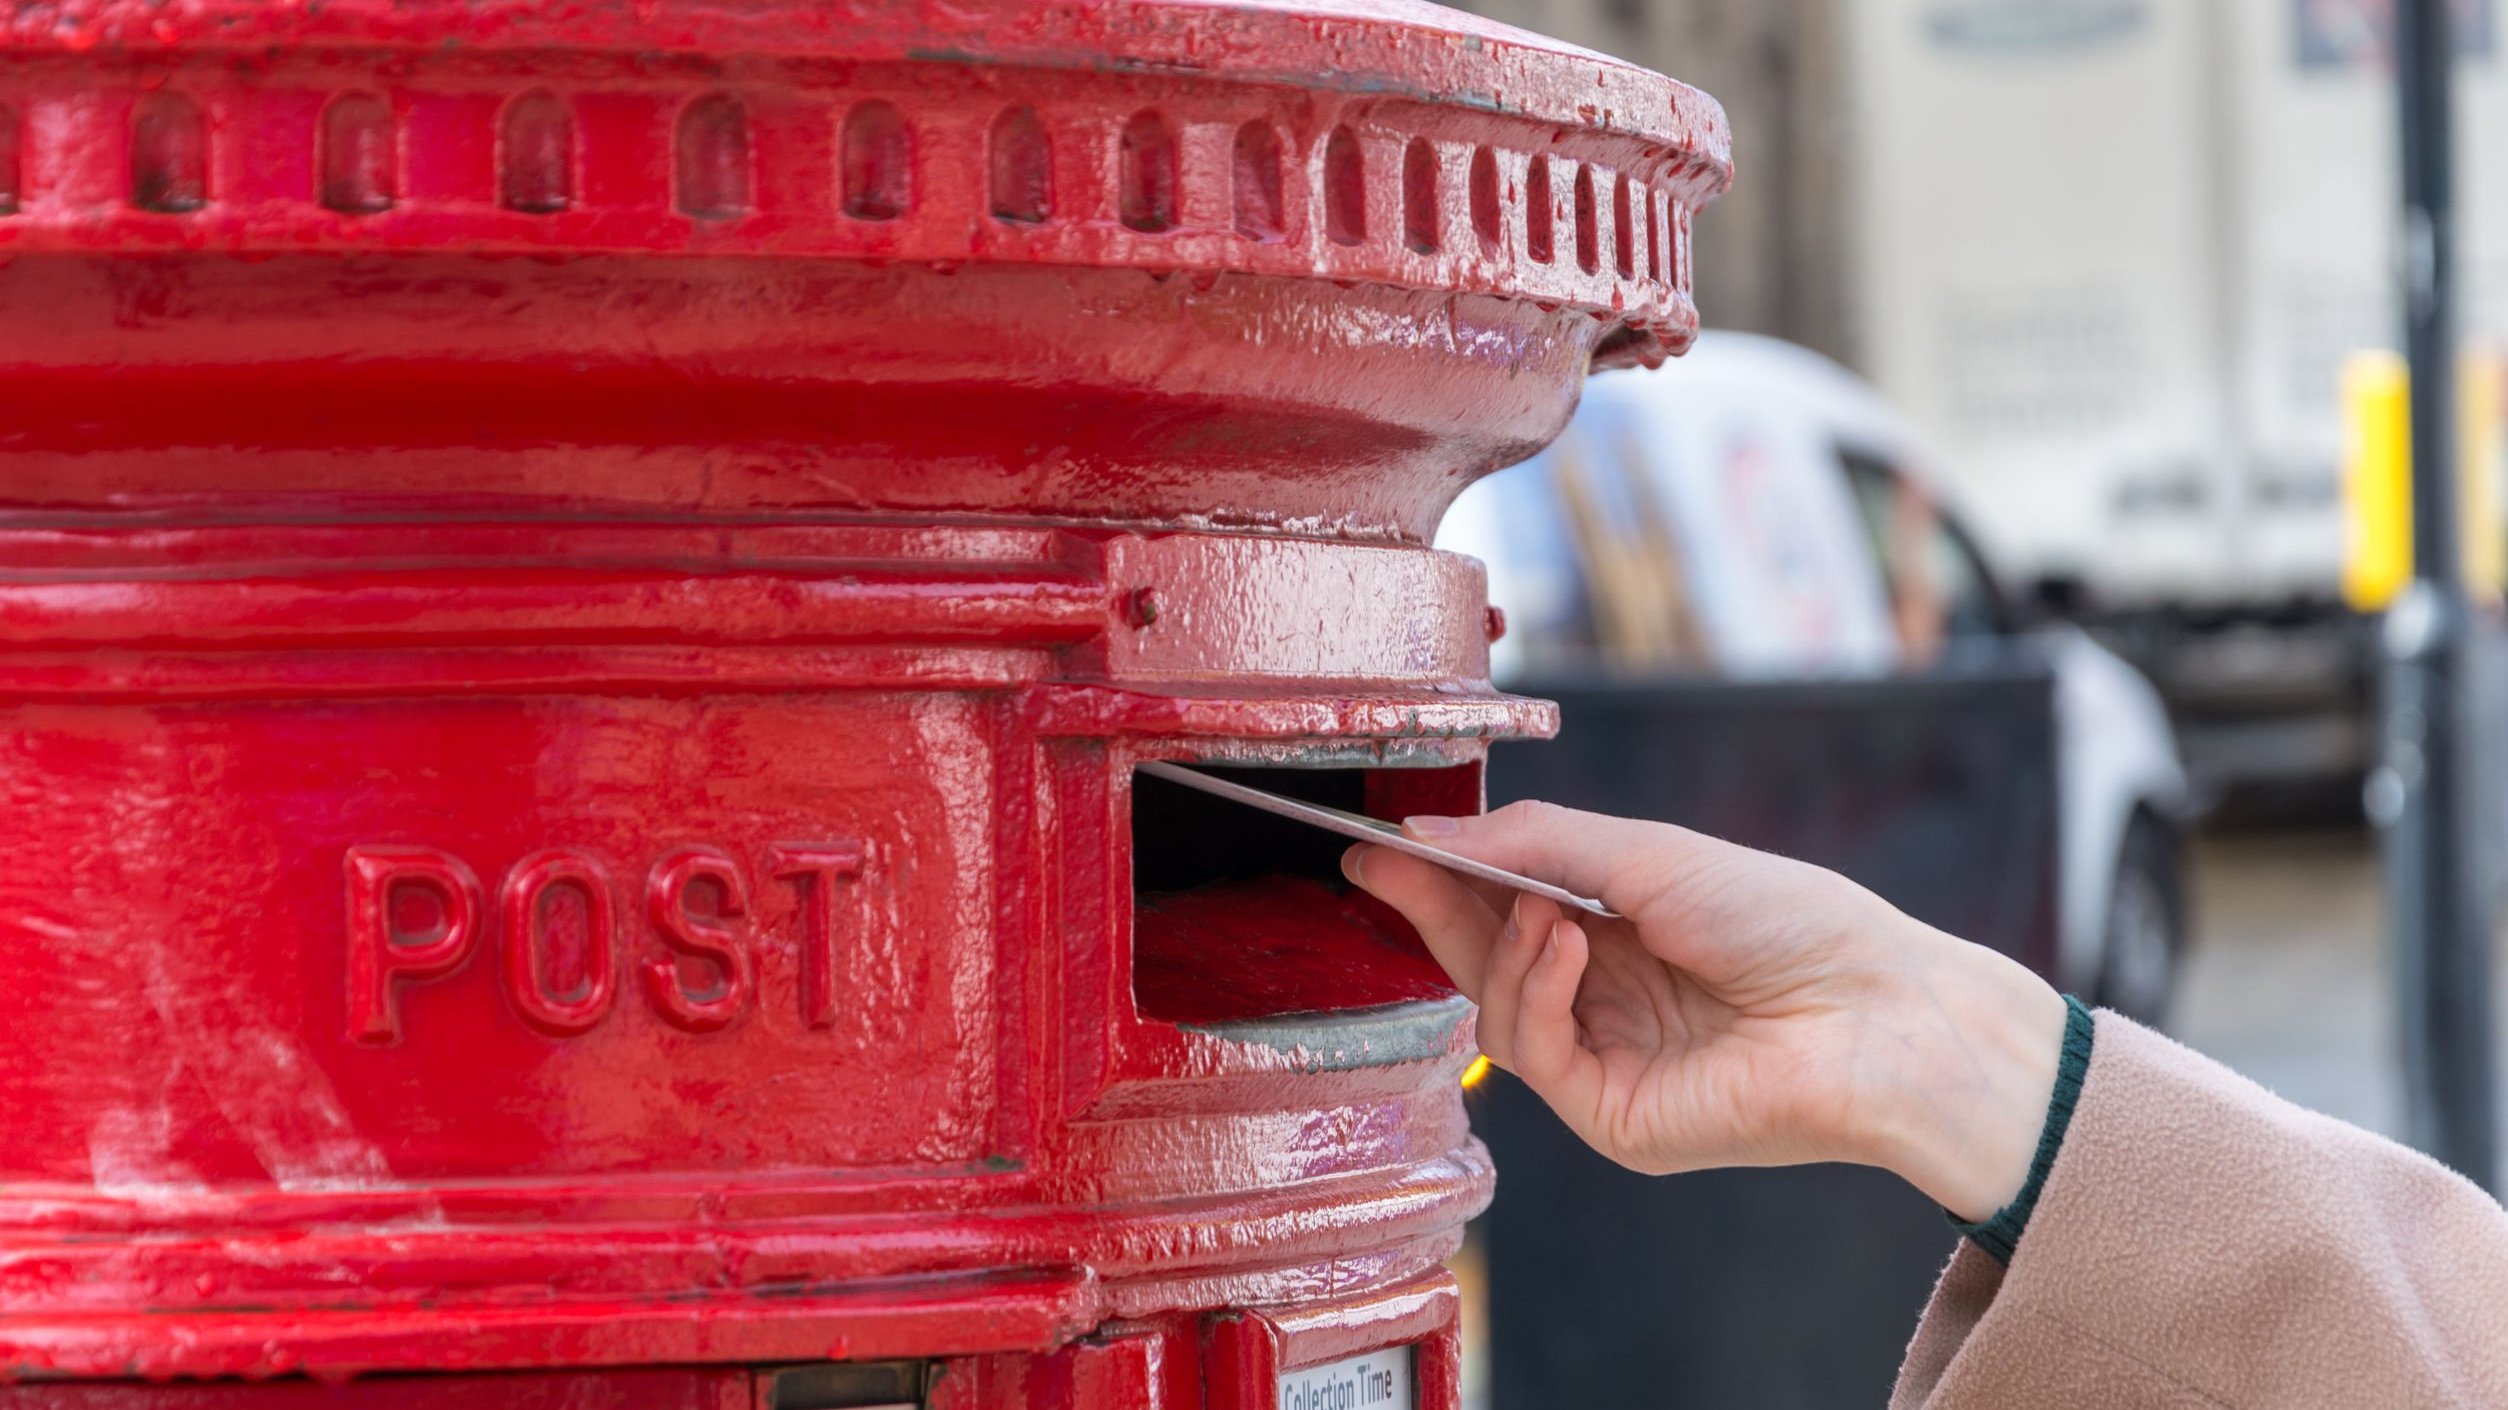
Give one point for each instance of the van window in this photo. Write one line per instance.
(1939, 588)
(1636, 578)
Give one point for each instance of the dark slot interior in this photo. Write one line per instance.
(1238, 914)
(844, 1385)
(1182, 839)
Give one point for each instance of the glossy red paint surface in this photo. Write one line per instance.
(578, 589)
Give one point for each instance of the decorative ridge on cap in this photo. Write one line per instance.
(1370, 141)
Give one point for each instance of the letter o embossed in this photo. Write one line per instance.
(526, 932)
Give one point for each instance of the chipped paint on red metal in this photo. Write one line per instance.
(578, 589)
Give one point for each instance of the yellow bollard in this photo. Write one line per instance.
(2377, 476)
(2377, 479)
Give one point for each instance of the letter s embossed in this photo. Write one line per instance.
(718, 940)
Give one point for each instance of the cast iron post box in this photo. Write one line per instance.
(580, 585)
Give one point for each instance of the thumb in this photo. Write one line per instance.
(1621, 861)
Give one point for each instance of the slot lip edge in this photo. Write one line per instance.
(1347, 1040)
(1373, 831)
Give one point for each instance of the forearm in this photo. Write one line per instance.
(2199, 1240)
(2196, 1240)
(1954, 1077)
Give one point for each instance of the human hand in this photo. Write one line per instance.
(1749, 1009)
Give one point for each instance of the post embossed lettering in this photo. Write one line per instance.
(417, 914)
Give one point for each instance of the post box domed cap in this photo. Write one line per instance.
(1383, 142)
(1408, 47)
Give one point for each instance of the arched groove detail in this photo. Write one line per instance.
(12, 166)
(1345, 188)
(1146, 174)
(1654, 236)
(1020, 154)
(1488, 211)
(1256, 186)
(536, 155)
(1540, 241)
(1588, 226)
(1422, 215)
(878, 160)
(711, 172)
(360, 155)
(169, 154)
(1624, 228)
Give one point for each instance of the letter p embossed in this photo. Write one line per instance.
(380, 951)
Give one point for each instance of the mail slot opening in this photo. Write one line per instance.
(1238, 914)
(873, 1385)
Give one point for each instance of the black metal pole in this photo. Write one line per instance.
(2435, 879)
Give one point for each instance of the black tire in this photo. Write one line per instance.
(2146, 924)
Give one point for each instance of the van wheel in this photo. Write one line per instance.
(2146, 931)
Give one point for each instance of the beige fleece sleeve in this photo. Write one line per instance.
(2201, 1242)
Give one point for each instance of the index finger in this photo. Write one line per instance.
(1624, 862)
(1457, 922)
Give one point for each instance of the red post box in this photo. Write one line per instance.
(580, 585)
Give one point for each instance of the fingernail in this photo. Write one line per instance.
(1354, 866)
(1431, 825)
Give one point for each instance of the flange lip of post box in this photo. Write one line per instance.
(745, 482)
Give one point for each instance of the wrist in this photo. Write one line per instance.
(1974, 1051)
